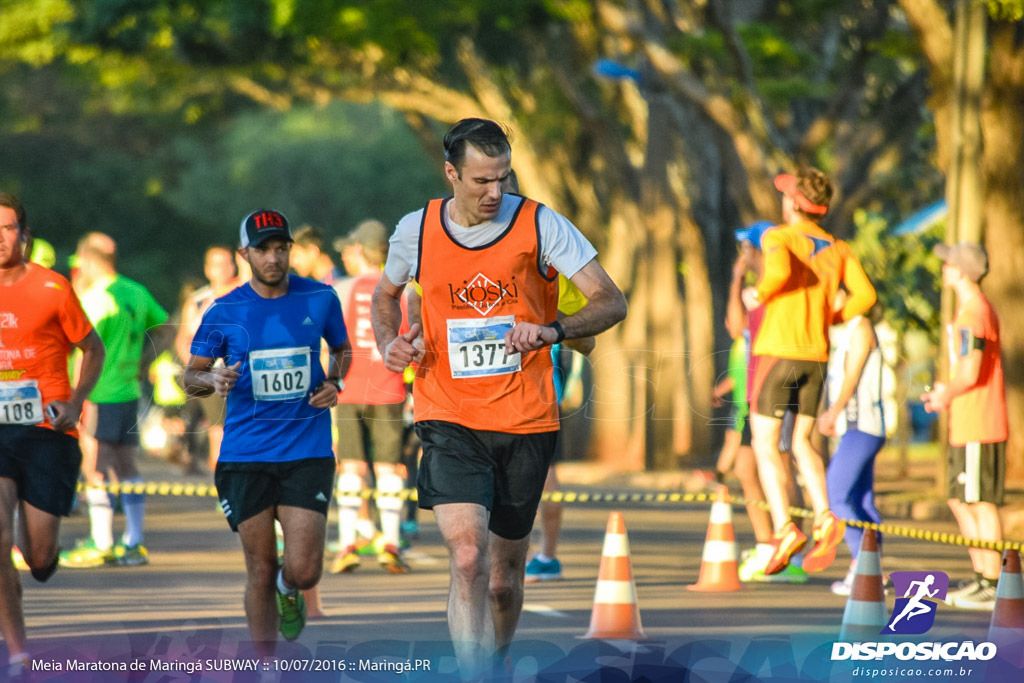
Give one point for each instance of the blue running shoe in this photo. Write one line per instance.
(538, 570)
(410, 529)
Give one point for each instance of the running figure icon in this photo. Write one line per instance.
(915, 606)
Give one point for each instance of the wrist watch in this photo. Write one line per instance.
(336, 381)
(557, 327)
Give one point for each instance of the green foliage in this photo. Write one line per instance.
(31, 31)
(156, 56)
(330, 168)
(781, 91)
(165, 204)
(780, 66)
(70, 188)
(906, 275)
(1006, 10)
(158, 87)
(698, 47)
(899, 46)
(805, 15)
(771, 53)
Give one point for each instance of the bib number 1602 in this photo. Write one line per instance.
(276, 382)
(280, 374)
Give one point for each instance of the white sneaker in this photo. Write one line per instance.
(752, 564)
(962, 590)
(19, 667)
(982, 599)
(845, 586)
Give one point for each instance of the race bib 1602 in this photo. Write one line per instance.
(280, 374)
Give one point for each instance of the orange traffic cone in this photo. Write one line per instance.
(865, 614)
(616, 615)
(1007, 627)
(718, 567)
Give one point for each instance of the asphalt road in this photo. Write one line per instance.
(185, 607)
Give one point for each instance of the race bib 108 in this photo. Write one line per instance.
(21, 403)
(476, 347)
(280, 374)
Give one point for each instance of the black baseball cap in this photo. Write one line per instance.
(261, 225)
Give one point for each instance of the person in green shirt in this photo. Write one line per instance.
(121, 310)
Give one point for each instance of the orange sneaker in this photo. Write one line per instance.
(391, 559)
(828, 532)
(787, 544)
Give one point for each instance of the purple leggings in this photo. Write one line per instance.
(851, 481)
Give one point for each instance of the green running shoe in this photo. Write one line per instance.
(131, 555)
(86, 556)
(292, 609)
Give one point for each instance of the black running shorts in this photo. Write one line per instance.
(44, 465)
(746, 437)
(114, 423)
(502, 472)
(977, 472)
(246, 489)
(782, 384)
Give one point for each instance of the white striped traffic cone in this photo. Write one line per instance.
(616, 615)
(719, 564)
(1007, 627)
(865, 614)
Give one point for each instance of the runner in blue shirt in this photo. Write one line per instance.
(276, 460)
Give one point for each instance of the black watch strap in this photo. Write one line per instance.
(557, 327)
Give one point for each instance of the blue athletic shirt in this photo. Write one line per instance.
(278, 342)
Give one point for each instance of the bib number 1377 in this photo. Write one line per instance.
(476, 348)
(481, 354)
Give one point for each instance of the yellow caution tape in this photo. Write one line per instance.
(907, 532)
(618, 497)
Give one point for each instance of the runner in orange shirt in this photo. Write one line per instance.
(40, 320)
(485, 406)
(803, 268)
(368, 417)
(978, 425)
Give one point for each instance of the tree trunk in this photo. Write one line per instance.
(619, 438)
(665, 371)
(700, 341)
(1002, 161)
(1003, 131)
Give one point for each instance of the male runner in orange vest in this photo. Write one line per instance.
(485, 406)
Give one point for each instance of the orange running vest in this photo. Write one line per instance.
(470, 298)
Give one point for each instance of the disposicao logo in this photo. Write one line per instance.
(914, 613)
